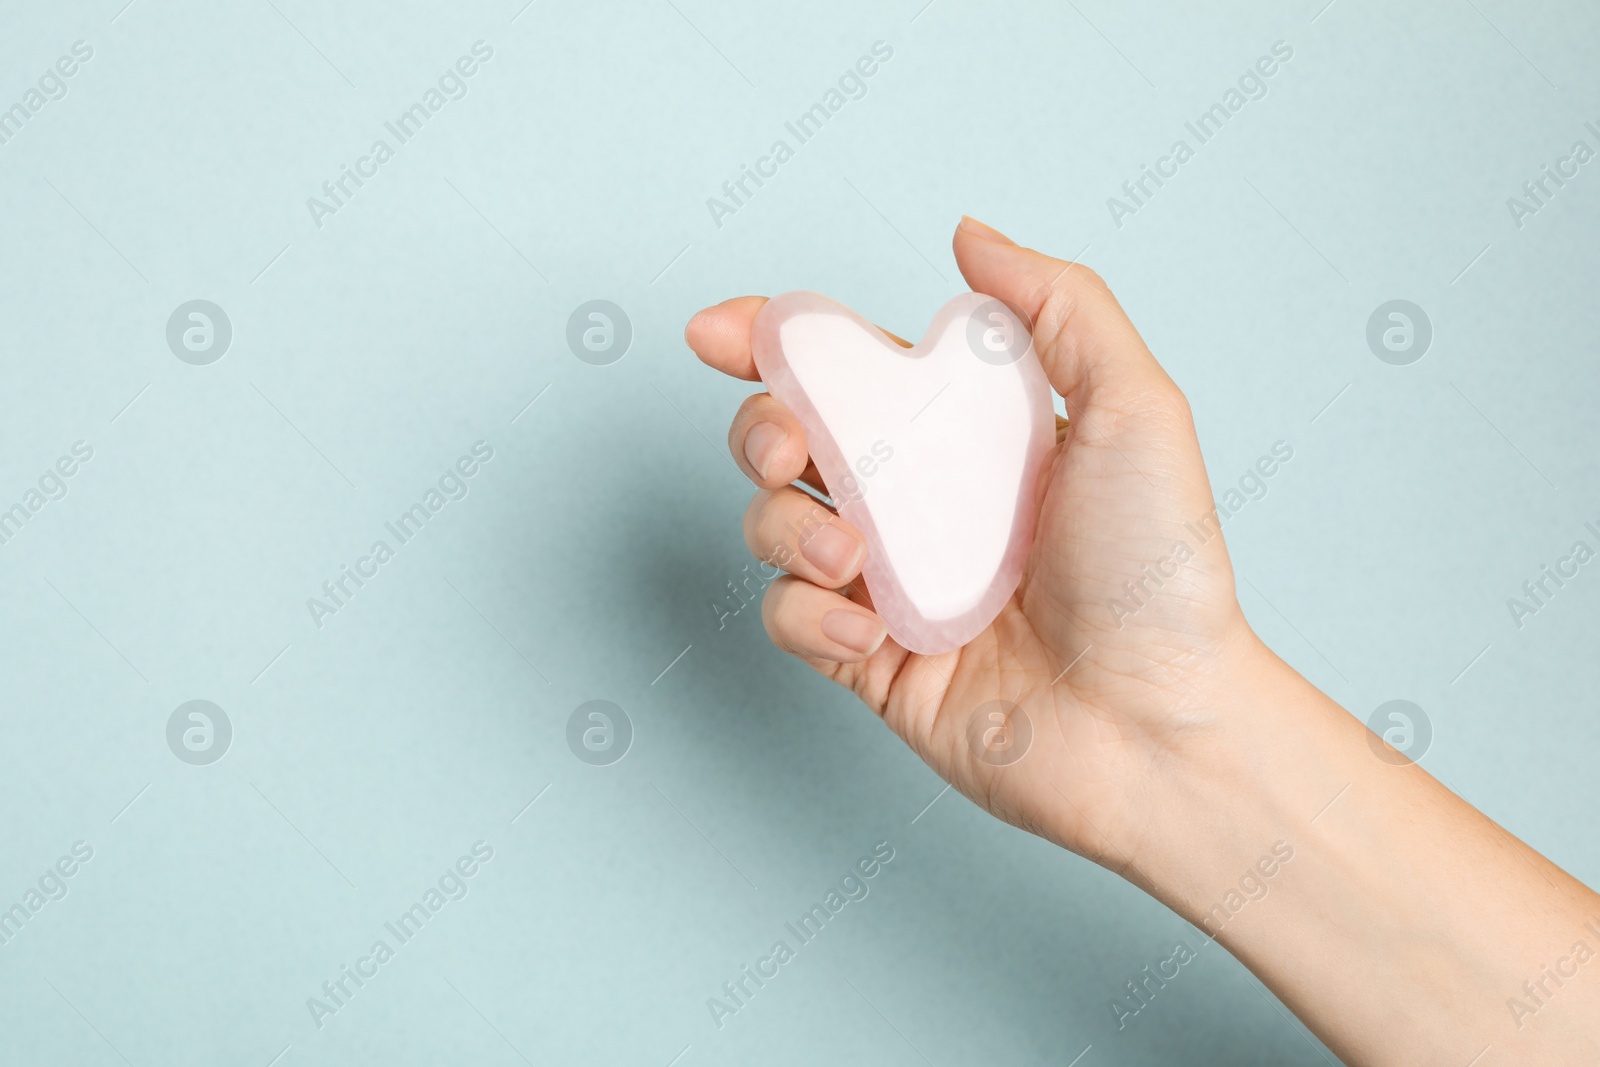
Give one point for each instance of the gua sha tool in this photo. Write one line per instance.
(933, 452)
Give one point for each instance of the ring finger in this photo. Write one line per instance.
(786, 528)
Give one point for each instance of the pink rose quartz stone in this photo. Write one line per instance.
(933, 452)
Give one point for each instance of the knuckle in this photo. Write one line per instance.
(1169, 401)
(772, 604)
(1059, 299)
(778, 521)
(755, 521)
(1181, 406)
(752, 406)
(1076, 284)
(1085, 279)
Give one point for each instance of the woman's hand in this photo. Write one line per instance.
(1119, 642)
(1167, 742)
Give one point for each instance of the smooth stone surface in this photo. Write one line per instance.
(933, 451)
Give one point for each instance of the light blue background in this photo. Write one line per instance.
(370, 353)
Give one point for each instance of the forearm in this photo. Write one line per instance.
(1390, 915)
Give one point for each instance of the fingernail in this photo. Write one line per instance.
(832, 551)
(761, 443)
(987, 233)
(854, 630)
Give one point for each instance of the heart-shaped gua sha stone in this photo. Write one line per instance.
(934, 452)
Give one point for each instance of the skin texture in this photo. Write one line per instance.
(1167, 742)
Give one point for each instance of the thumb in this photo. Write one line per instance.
(1090, 351)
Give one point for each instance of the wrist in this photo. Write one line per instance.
(1246, 789)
